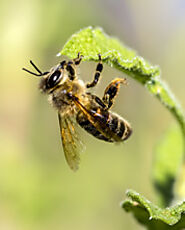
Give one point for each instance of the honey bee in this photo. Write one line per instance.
(75, 105)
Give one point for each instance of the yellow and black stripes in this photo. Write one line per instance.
(113, 127)
(119, 127)
(99, 69)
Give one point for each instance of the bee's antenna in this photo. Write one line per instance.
(37, 69)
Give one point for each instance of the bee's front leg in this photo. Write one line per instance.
(70, 66)
(77, 60)
(111, 91)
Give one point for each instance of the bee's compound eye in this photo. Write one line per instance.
(53, 79)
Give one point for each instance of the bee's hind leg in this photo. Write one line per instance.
(99, 69)
(111, 91)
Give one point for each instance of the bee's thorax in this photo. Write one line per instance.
(60, 96)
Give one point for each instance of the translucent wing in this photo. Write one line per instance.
(72, 145)
(97, 119)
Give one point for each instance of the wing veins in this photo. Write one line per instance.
(70, 141)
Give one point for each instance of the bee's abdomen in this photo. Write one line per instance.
(84, 123)
(119, 127)
(113, 127)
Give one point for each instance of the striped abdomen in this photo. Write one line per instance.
(105, 125)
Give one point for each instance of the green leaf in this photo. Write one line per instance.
(168, 156)
(152, 216)
(91, 42)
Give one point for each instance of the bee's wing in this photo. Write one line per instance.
(95, 121)
(72, 145)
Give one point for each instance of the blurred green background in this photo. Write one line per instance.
(37, 188)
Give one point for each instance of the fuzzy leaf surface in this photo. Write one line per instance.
(153, 217)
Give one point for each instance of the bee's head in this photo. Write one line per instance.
(50, 79)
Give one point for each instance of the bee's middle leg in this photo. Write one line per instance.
(111, 91)
(99, 69)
